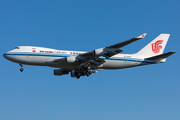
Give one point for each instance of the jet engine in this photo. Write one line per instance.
(99, 52)
(70, 59)
(60, 72)
(106, 52)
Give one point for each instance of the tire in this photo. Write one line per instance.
(21, 69)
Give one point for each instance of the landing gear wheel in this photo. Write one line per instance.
(21, 69)
(87, 74)
(78, 77)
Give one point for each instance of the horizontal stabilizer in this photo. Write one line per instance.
(161, 57)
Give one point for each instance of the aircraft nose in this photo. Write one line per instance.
(5, 55)
(10, 56)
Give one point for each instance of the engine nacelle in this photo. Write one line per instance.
(106, 52)
(99, 52)
(60, 72)
(70, 59)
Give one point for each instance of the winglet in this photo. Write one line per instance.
(142, 36)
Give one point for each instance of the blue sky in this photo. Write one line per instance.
(143, 93)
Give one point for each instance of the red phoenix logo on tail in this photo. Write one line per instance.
(156, 46)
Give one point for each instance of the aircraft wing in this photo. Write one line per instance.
(111, 50)
(93, 58)
(122, 44)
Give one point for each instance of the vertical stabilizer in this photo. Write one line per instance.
(155, 47)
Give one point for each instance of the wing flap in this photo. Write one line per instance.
(98, 61)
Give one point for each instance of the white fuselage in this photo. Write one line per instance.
(41, 56)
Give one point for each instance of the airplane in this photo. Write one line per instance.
(80, 63)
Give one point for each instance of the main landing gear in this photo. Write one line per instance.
(81, 72)
(21, 69)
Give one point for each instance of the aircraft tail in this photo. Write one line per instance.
(155, 47)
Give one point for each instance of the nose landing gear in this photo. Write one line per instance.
(21, 69)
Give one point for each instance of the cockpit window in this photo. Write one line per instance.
(16, 48)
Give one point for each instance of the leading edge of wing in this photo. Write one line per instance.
(118, 45)
(122, 44)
